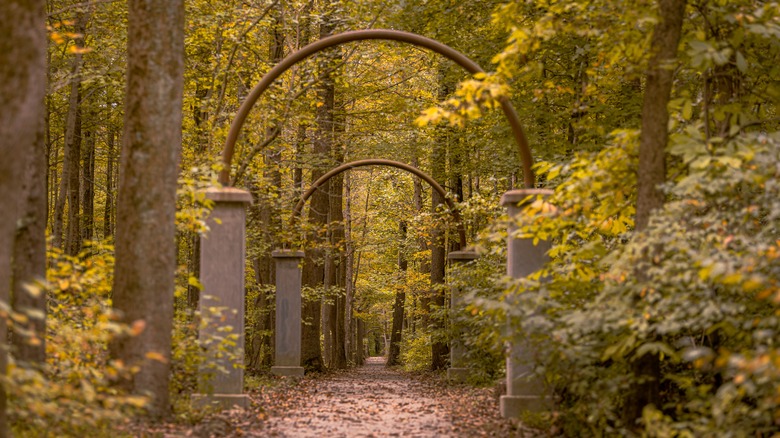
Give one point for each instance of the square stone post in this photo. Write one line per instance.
(288, 313)
(458, 371)
(525, 391)
(222, 258)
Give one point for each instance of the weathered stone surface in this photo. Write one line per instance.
(288, 313)
(457, 371)
(221, 401)
(223, 252)
(525, 392)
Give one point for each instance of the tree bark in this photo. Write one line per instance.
(336, 270)
(423, 297)
(146, 207)
(68, 190)
(652, 173)
(655, 116)
(319, 205)
(439, 347)
(350, 341)
(261, 341)
(394, 350)
(108, 216)
(29, 258)
(22, 91)
(336, 234)
(88, 182)
(73, 234)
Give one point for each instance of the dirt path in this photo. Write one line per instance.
(374, 401)
(369, 401)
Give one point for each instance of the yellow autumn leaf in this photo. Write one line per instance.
(76, 50)
(137, 327)
(153, 355)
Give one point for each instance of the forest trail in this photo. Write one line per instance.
(374, 401)
(367, 401)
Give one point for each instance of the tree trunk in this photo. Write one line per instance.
(439, 347)
(108, 227)
(422, 296)
(394, 351)
(29, 258)
(88, 182)
(73, 234)
(319, 204)
(350, 340)
(68, 191)
(652, 173)
(270, 215)
(655, 116)
(361, 335)
(22, 91)
(336, 235)
(336, 270)
(146, 207)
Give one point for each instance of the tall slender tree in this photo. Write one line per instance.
(394, 351)
(68, 193)
(652, 173)
(260, 340)
(439, 347)
(145, 231)
(22, 115)
(319, 205)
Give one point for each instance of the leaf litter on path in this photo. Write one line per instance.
(368, 401)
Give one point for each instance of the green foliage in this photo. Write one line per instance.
(698, 289)
(416, 351)
(192, 205)
(197, 360)
(75, 392)
(480, 333)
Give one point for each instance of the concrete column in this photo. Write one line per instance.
(288, 313)
(525, 391)
(222, 258)
(458, 371)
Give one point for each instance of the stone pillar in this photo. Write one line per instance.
(525, 391)
(222, 258)
(458, 371)
(288, 313)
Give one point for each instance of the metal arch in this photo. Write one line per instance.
(380, 162)
(361, 35)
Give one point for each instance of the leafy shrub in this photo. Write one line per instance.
(697, 289)
(479, 282)
(416, 351)
(73, 394)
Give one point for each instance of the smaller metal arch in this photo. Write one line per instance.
(381, 162)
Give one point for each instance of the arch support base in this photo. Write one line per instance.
(288, 313)
(221, 305)
(526, 391)
(458, 372)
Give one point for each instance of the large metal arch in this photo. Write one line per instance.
(381, 162)
(362, 35)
